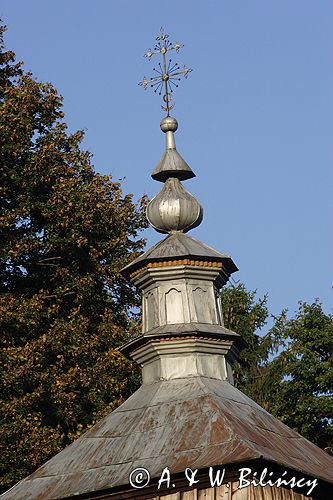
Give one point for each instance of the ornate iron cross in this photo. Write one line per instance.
(167, 73)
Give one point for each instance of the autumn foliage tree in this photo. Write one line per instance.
(65, 232)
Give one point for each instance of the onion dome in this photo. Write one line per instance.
(174, 209)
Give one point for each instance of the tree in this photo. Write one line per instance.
(65, 232)
(302, 393)
(245, 315)
(288, 370)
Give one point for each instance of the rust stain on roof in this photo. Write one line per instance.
(194, 422)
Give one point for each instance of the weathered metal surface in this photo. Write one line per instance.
(174, 208)
(179, 294)
(172, 165)
(193, 422)
(185, 357)
(180, 245)
(182, 331)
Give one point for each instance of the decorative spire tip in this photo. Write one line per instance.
(168, 73)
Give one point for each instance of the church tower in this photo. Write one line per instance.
(187, 433)
(180, 280)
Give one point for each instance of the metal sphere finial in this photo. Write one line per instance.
(169, 124)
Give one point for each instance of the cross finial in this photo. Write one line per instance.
(168, 73)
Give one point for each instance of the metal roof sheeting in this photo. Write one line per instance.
(179, 245)
(193, 422)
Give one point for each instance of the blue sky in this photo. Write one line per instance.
(255, 118)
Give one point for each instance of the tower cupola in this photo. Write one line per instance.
(180, 278)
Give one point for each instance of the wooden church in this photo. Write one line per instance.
(187, 433)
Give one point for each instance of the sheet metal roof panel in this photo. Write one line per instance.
(194, 422)
(179, 245)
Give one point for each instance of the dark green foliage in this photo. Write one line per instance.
(302, 395)
(244, 315)
(289, 370)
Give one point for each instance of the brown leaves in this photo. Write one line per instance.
(65, 233)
